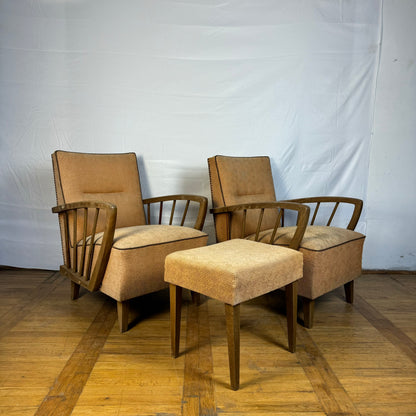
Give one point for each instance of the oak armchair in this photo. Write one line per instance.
(332, 255)
(108, 240)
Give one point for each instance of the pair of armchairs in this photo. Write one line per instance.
(110, 244)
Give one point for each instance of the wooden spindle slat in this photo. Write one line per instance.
(172, 212)
(160, 212)
(185, 212)
(74, 248)
(333, 214)
(84, 242)
(67, 239)
(318, 204)
(260, 220)
(243, 227)
(276, 226)
(92, 240)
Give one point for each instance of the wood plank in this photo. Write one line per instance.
(387, 328)
(64, 394)
(357, 359)
(198, 384)
(27, 300)
(332, 396)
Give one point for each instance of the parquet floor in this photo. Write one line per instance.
(62, 357)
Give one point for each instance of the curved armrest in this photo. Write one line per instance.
(337, 200)
(301, 223)
(78, 222)
(201, 200)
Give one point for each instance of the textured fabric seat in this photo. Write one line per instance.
(233, 272)
(138, 255)
(109, 243)
(332, 255)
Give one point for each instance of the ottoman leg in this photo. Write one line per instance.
(291, 314)
(232, 319)
(175, 293)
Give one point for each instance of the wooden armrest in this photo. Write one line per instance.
(281, 206)
(337, 200)
(201, 200)
(78, 266)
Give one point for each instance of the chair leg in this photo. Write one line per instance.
(74, 290)
(308, 310)
(123, 315)
(291, 314)
(232, 320)
(349, 291)
(196, 298)
(175, 294)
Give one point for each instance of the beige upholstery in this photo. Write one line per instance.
(137, 258)
(107, 177)
(234, 271)
(135, 265)
(332, 256)
(236, 180)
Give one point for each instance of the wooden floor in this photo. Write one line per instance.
(63, 357)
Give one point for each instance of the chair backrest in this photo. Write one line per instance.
(239, 180)
(111, 178)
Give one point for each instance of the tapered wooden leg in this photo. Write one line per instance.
(349, 291)
(308, 310)
(232, 320)
(74, 290)
(123, 315)
(175, 293)
(291, 314)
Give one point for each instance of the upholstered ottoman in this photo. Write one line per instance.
(232, 272)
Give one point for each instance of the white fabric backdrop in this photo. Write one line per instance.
(177, 82)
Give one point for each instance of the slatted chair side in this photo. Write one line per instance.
(80, 230)
(80, 244)
(302, 212)
(318, 202)
(179, 209)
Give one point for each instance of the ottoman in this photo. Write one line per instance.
(233, 272)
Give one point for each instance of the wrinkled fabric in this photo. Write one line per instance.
(177, 82)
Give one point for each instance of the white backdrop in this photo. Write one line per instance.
(177, 82)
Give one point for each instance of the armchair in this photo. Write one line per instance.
(332, 255)
(108, 241)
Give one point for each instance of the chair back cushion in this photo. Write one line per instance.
(111, 178)
(238, 180)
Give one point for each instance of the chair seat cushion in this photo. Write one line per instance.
(234, 271)
(332, 256)
(136, 263)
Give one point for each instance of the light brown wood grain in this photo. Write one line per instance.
(62, 357)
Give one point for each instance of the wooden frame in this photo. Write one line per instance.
(78, 267)
(336, 200)
(317, 203)
(201, 200)
(280, 207)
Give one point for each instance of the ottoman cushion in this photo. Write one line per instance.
(234, 271)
